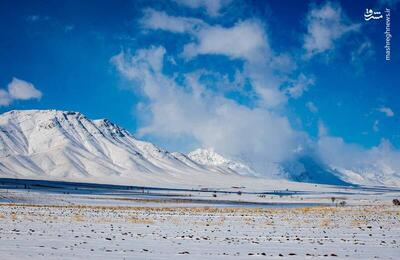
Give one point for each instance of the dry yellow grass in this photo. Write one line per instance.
(269, 222)
(78, 217)
(288, 213)
(136, 220)
(358, 223)
(326, 223)
(14, 216)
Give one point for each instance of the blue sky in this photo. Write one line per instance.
(293, 70)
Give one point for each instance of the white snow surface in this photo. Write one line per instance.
(67, 146)
(53, 225)
(63, 145)
(210, 158)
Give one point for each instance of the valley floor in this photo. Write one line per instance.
(44, 224)
(94, 232)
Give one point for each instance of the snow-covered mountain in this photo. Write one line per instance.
(62, 145)
(210, 158)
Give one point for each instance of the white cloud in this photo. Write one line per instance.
(245, 40)
(322, 129)
(387, 111)
(5, 98)
(299, 86)
(362, 54)
(208, 117)
(18, 90)
(21, 89)
(325, 26)
(174, 108)
(159, 20)
(380, 163)
(212, 7)
(312, 107)
(334, 151)
(212, 120)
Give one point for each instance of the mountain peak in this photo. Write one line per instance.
(66, 145)
(209, 157)
(40, 111)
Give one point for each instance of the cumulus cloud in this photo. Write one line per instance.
(245, 40)
(380, 163)
(387, 111)
(299, 86)
(326, 25)
(190, 109)
(312, 107)
(212, 7)
(362, 54)
(21, 89)
(5, 98)
(159, 20)
(18, 89)
(335, 151)
(322, 129)
(177, 106)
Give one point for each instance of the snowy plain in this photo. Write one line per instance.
(53, 204)
(46, 221)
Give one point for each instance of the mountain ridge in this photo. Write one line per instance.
(66, 145)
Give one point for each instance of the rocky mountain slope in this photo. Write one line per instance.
(63, 145)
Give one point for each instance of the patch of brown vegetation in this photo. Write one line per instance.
(78, 217)
(137, 220)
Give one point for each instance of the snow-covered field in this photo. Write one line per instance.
(201, 233)
(45, 223)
